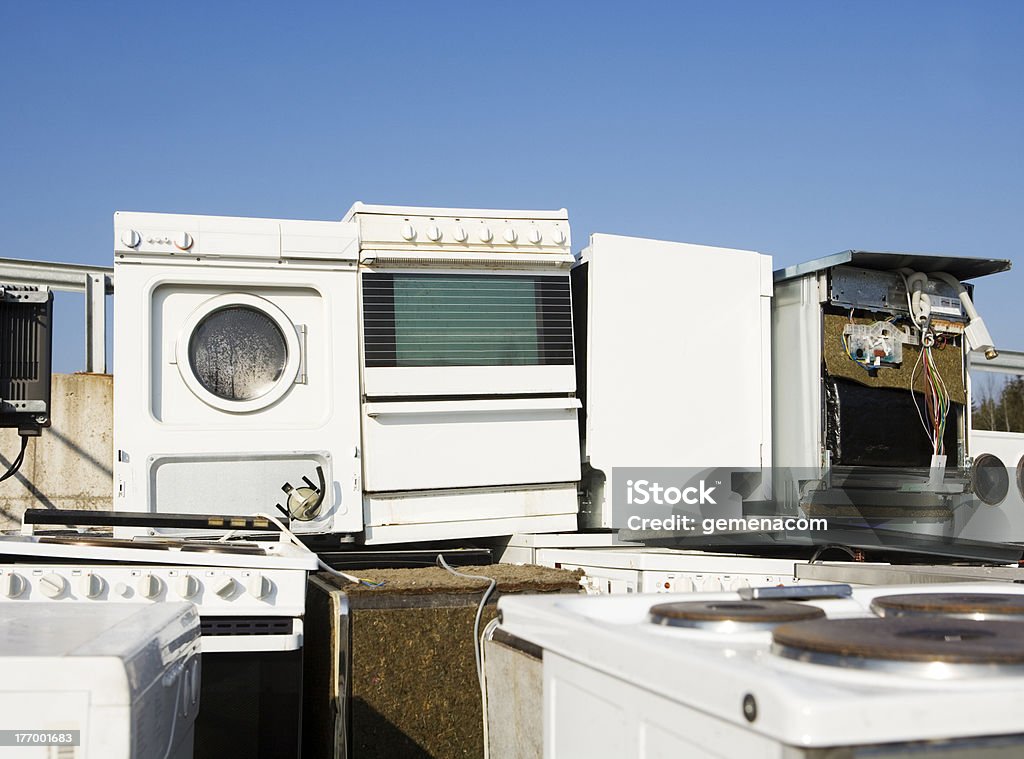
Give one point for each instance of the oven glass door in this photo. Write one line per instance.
(431, 334)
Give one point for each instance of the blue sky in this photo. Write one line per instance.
(794, 128)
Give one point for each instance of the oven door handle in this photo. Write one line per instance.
(374, 410)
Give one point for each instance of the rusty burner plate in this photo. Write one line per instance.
(937, 647)
(979, 606)
(736, 615)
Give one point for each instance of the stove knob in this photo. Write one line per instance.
(150, 585)
(258, 586)
(14, 585)
(536, 236)
(188, 586)
(183, 241)
(408, 233)
(712, 584)
(131, 238)
(90, 585)
(510, 235)
(433, 233)
(460, 234)
(559, 237)
(486, 235)
(52, 585)
(225, 588)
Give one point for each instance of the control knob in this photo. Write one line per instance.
(14, 585)
(225, 588)
(91, 585)
(150, 585)
(53, 585)
(259, 587)
(188, 586)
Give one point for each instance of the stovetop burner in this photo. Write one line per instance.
(978, 606)
(935, 647)
(732, 615)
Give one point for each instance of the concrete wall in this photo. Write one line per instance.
(70, 466)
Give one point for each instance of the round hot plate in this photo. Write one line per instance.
(937, 647)
(734, 615)
(980, 606)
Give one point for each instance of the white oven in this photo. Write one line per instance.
(469, 414)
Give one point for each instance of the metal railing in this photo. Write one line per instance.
(1006, 361)
(95, 282)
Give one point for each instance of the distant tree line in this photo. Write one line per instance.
(1000, 409)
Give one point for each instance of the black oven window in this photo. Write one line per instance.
(466, 320)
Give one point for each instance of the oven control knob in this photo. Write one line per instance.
(131, 238)
(188, 586)
(183, 241)
(486, 235)
(408, 233)
(460, 234)
(225, 588)
(52, 585)
(558, 236)
(90, 585)
(14, 585)
(510, 235)
(536, 236)
(122, 589)
(433, 233)
(712, 584)
(258, 586)
(150, 585)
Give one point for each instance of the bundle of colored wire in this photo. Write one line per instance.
(936, 399)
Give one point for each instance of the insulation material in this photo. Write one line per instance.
(414, 690)
(948, 360)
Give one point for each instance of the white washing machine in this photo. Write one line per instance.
(237, 382)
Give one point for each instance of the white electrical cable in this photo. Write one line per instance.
(291, 535)
(479, 611)
(478, 647)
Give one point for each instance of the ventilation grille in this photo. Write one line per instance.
(466, 320)
(19, 350)
(216, 626)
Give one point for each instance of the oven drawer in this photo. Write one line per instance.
(416, 445)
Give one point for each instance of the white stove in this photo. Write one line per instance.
(250, 596)
(887, 671)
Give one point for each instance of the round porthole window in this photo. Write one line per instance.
(991, 479)
(1020, 477)
(238, 352)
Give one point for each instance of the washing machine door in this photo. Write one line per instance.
(238, 352)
